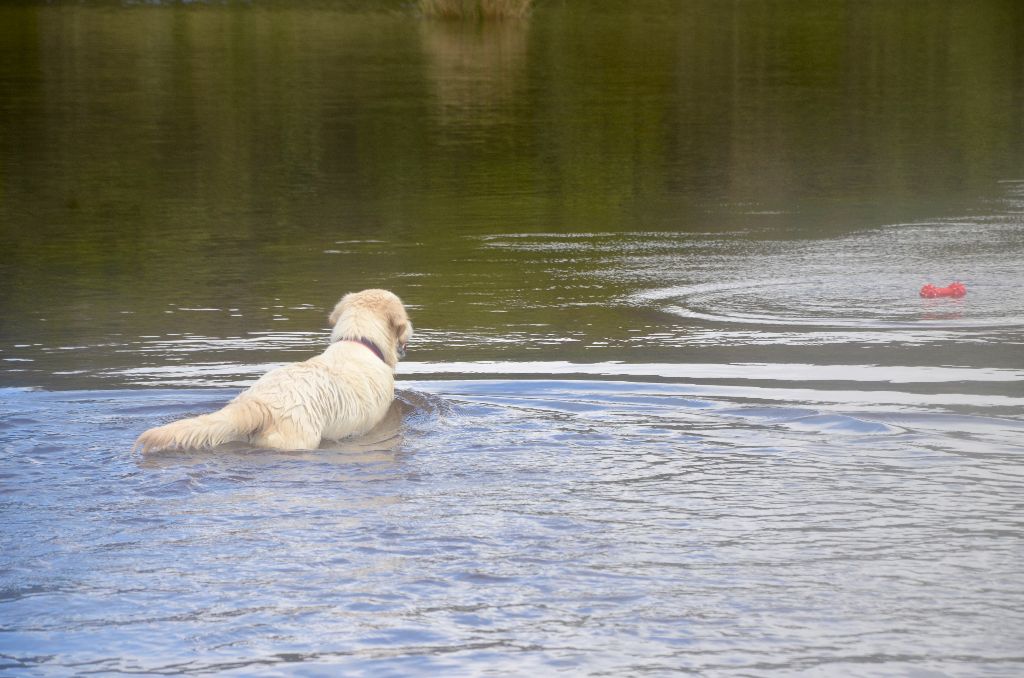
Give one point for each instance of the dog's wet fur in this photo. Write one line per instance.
(344, 391)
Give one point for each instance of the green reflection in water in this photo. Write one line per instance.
(242, 156)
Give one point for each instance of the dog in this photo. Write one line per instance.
(344, 391)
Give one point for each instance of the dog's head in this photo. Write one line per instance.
(375, 315)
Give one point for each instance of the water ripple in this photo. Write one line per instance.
(517, 524)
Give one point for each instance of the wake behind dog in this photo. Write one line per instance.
(346, 390)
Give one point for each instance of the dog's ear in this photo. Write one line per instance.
(336, 313)
(397, 320)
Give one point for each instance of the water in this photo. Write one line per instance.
(673, 404)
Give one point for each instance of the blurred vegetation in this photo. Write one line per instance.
(476, 9)
(192, 153)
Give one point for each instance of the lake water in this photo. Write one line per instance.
(673, 403)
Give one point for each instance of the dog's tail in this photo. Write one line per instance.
(238, 420)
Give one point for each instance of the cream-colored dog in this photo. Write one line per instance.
(345, 390)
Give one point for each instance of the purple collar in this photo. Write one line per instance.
(370, 345)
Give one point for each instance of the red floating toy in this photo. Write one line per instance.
(956, 289)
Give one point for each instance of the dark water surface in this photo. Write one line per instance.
(673, 405)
